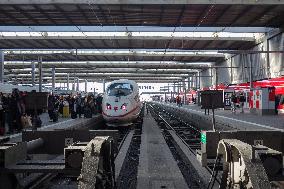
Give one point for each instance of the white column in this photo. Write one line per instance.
(67, 82)
(86, 85)
(33, 73)
(104, 85)
(73, 84)
(53, 79)
(1, 66)
(40, 74)
(77, 87)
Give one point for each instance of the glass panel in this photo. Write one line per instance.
(120, 89)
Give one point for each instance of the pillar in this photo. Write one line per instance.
(1, 67)
(216, 78)
(196, 82)
(73, 84)
(53, 79)
(188, 83)
(33, 73)
(250, 73)
(268, 59)
(191, 82)
(199, 80)
(86, 85)
(104, 85)
(184, 91)
(211, 74)
(40, 74)
(183, 85)
(231, 62)
(77, 86)
(68, 82)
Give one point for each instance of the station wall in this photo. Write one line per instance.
(260, 67)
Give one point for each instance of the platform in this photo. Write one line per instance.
(64, 123)
(242, 121)
(157, 166)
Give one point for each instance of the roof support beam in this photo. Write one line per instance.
(107, 70)
(114, 64)
(125, 36)
(120, 52)
(91, 75)
(134, 2)
(119, 28)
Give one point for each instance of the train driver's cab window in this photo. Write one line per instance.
(120, 89)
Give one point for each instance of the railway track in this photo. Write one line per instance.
(56, 181)
(190, 136)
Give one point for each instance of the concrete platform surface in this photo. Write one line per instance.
(62, 123)
(243, 121)
(157, 166)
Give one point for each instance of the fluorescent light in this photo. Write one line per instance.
(131, 35)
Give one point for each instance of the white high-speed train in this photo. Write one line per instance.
(121, 103)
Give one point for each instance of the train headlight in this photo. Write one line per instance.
(123, 107)
(108, 107)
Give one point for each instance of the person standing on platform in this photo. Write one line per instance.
(277, 101)
(51, 107)
(16, 110)
(242, 100)
(178, 100)
(233, 102)
(99, 102)
(79, 105)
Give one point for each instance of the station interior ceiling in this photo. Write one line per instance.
(148, 41)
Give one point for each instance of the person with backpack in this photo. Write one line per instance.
(233, 102)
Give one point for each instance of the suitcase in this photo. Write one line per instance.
(73, 115)
(55, 116)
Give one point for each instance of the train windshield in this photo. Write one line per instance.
(120, 89)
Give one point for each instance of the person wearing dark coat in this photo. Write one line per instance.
(16, 110)
(99, 101)
(51, 106)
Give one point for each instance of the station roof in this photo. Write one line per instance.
(31, 24)
(267, 13)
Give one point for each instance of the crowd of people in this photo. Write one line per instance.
(13, 109)
(78, 106)
(237, 98)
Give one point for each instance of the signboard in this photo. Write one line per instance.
(212, 99)
(36, 100)
(203, 137)
(227, 99)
